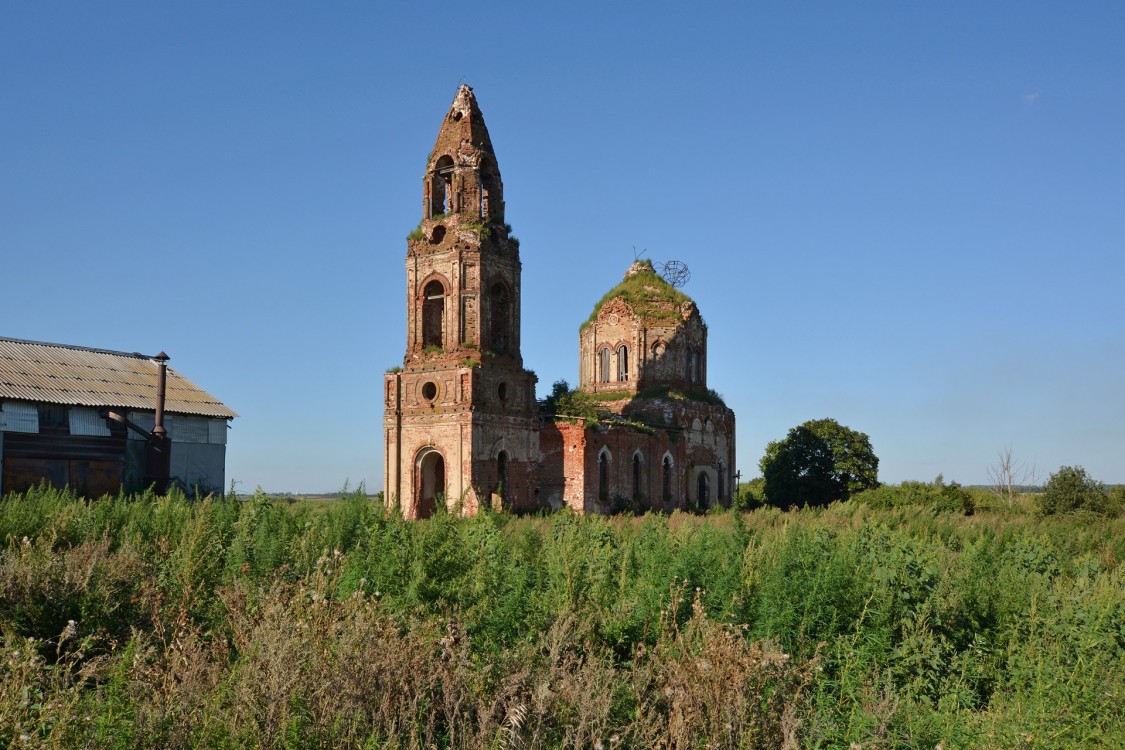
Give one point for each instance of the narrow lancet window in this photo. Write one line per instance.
(667, 478)
(501, 318)
(603, 476)
(502, 477)
(638, 467)
(622, 363)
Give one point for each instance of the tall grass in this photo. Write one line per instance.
(211, 622)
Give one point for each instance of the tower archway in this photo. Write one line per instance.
(429, 482)
(441, 187)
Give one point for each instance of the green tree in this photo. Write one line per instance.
(566, 403)
(818, 462)
(1071, 488)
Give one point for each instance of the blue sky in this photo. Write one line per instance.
(907, 217)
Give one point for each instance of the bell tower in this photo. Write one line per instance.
(460, 419)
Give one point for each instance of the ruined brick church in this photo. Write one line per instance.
(462, 426)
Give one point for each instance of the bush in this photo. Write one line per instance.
(937, 496)
(1070, 489)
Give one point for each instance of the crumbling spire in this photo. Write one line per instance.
(464, 130)
(462, 176)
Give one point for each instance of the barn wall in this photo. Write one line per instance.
(92, 466)
(199, 466)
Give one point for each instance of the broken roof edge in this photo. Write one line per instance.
(642, 290)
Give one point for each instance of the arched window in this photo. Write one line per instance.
(667, 477)
(502, 477)
(689, 371)
(501, 318)
(603, 366)
(433, 314)
(638, 472)
(441, 187)
(722, 482)
(488, 184)
(622, 363)
(603, 475)
(703, 491)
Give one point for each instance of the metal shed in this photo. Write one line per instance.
(87, 418)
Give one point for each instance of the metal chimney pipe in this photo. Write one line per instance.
(161, 393)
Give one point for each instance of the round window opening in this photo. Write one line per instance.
(502, 391)
(438, 234)
(429, 391)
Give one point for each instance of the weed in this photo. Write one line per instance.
(155, 621)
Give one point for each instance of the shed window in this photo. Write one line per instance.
(53, 420)
(433, 314)
(622, 363)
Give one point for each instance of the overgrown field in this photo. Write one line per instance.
(167, 623)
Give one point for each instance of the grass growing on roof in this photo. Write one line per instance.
(650, 297)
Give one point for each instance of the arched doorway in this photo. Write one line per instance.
(431, 483)
(703, 491)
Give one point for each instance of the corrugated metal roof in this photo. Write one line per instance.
(79, 376)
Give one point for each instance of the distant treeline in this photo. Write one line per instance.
(165, 622)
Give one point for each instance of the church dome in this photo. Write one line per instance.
(643, 333)
(651, 299)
